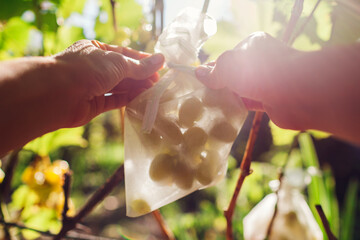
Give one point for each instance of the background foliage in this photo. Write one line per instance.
(45, 27)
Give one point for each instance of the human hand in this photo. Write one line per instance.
(298, 90)
(42, 94)
(253, 70)
(93, 69)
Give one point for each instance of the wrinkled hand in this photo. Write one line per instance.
(98, 77)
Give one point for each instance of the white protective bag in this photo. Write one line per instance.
(293, 221)
(178, 134)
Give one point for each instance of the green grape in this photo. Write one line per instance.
(152, 139)
(224, 131)
(168, 96)
(140, 206)
(183, 176)
(194, 139)
(190, 111)
(163, 167)
(169, 130)
(210, 97)
(208, 168)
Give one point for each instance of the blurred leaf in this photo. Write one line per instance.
(13, 8)
(14, 38)
(323, 19)
(331, 194)
(54, 140)
(67, 35)
(49, 22)
(346, 23)
(226, 38)
(348, 217)
(282, 136)
(67, 7)
(23, 196)
(303, 42)
(42, 220)
(319, 134)
(128, 13)
(316, 189)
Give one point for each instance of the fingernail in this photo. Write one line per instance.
(157, 58)
(202, 71)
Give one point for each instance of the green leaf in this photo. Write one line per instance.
(13, 8)
(316, 189)
(14, 38)
(331, 195)
(67, 35)
(282, 136)
(128, 14)
(346, 23)
(349, 212)
(23, 197)
(67, 7)
(54, 140)
(42, 221)
(49, 22)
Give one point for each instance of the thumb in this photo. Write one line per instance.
(207, 75)
(143, 68)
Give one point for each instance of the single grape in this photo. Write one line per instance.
(140, 206)
(162, 168)
(208, 168)
(224, 131)
(152, 139)
(210, 97)
(183, 176)
(169, 130)
(190, 111)
(195, 139)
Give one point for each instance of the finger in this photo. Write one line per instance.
(253, 105)
(155, 77)
(102, 104)
(134, 93)
(144, 68)
(131, 53)
(207, 76)
(128, 84)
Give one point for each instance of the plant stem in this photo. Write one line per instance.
(244, 172)
(112, 3)
(325, 222)
(295, 15)
(9, 173)
(96, 198)
(66, 188)
(281, 176)
(164, 228)
(301, 29)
